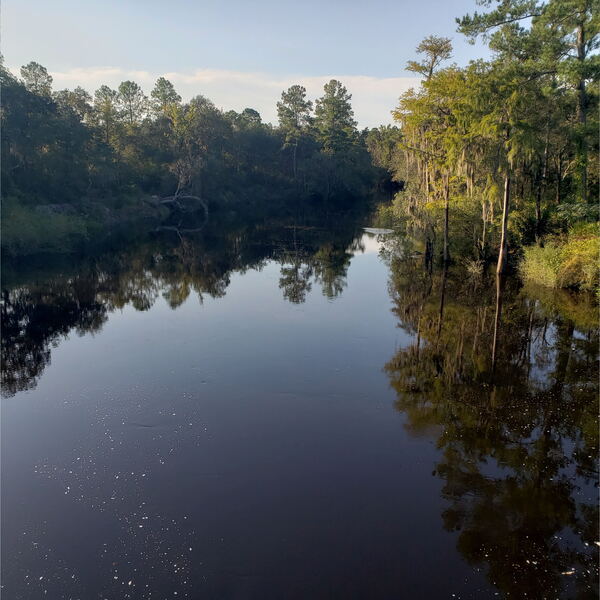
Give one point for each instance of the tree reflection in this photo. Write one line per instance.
(39, 311)
(35, 319)
(296, 270)
(331, 264)
(506, 381)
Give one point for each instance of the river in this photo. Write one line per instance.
(294, 410)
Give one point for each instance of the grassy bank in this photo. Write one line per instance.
(27, 231)
(568, 261)
(67, 228)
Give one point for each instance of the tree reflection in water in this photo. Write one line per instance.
(38, 310)
(506, 382)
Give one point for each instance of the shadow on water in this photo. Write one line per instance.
(505, 380)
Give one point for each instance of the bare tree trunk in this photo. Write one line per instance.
(502, 254)
(520, 181)
(538, 210)
(582, 116)
(446, 210)
(483, 228)
(295, 151)
(540, 191)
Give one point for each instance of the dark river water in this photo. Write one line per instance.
(294, 410)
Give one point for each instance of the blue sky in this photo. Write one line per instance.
(235, 52)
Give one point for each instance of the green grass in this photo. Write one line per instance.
(26, 232)
(567, 262)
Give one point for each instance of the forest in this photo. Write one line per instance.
(76, 164)
(495, 162)
(501, 156)
(300, 358)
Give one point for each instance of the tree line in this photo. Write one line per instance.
(503, 153)
(119, 145)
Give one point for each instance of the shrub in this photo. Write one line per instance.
(475, 268)
(25, 231)
(541, 265)
(580, 264)
(565, 263)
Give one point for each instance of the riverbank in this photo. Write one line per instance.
(69, 228)
(565, 258)
(89, 226)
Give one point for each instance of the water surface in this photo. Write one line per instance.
(294, 410)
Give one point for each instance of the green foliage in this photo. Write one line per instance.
(78, 101)
(334, 119)
(571, 213)
(132, 102)
(36, 79)
(580, 259)
(435, 50)
(25, 231)
(294, 116)
(542, 265)
(383, 143)
(112, 151)
(163, 95)
(106, 112)
(503, 143)
(293, 112)
(568, 263)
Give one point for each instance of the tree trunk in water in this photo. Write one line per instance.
(502, 255)
(564, 338)
(497, 318)
(442, 299)
(428, 254)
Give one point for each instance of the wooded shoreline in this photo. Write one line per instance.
(493, 159)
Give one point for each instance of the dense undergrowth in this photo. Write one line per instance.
(568, 261)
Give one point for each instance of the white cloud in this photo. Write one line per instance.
(372, 97)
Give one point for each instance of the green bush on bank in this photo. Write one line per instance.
(568, 262)
(26, 232)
